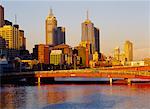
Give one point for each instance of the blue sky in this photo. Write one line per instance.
(117, 20)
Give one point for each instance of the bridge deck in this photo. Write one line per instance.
(95, 74)
(86, 73)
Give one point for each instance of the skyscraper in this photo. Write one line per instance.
(128, 50)
(117, 53)
(1, 16)
(11, 35)
(50, 26)
(97, 40)
(22, 40)
(7, 33)
(88, 33)
(16, 36)
(60, 35)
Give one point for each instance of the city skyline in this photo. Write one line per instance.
(131, 31)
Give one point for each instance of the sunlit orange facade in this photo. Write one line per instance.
(41, 53)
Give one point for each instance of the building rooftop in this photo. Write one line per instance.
(62, 46)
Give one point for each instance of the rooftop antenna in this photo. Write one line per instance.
(50, 11)
(87, 15)
(15, 19)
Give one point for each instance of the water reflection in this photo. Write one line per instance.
(12, 98)
(76, 96)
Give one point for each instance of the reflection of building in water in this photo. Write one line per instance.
(50, 96)
(13, 98)
(53, 96)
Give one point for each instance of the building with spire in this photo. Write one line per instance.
(90, 34)
(50, 27)
(90, 39)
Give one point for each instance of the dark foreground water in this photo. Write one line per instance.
(92, 96)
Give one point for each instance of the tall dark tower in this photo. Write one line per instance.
(97, 39)
(60, 36)
(1, 16)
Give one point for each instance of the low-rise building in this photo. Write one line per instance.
(82, 54)
(147, 61)
(66, 51)
(41, 53)
(56, 57)
(136, 63)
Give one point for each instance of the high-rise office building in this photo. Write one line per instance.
(16, 36)
(60, 36)
(7, 33)
(11, 35)
(22, 40)
(1, 16)
(50, 26)
(128, 50)
(117, 53)
(88, 33)
(97, 40)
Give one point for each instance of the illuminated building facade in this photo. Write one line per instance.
(51, 27)
(128, 50)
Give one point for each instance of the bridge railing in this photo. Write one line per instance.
(122, 72)
(140, 73)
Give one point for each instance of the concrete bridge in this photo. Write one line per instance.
(83, 73)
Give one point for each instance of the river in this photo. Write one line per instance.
(76, 96)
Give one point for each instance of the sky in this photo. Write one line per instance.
(118, 21)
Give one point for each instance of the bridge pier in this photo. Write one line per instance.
(129, 81)
(110, 80)
(39, 80)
